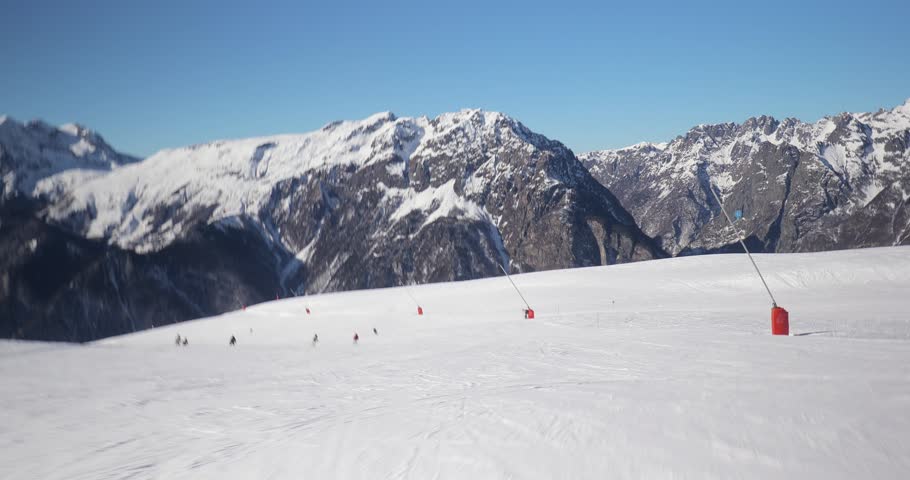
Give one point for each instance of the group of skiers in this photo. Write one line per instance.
(182, 341)
(233, 341)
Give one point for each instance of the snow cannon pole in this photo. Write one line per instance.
(743, 243)
(518, 291)
(780, 320)
(407, 290)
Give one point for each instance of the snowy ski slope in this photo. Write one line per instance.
(649, 370)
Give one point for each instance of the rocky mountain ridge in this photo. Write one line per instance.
(841, 182)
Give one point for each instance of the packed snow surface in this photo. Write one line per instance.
(650, 370)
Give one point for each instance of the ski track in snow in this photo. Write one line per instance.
(678, 378)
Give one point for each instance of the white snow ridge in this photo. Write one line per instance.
(661, 369)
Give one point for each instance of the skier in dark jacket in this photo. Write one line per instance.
(356, 337)
(315, 339)
(185, 341)
(233, 341)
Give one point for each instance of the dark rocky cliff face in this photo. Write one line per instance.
(55, 285)
(466, 211)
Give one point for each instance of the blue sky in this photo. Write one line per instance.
(150, 75)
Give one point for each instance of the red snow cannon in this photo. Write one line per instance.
(529, 313)
(419, 310)
(780, 321)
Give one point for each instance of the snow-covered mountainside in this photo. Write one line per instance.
(841, 182)
(481, 168)
(32, 152)
(661, 369)
(378, 202)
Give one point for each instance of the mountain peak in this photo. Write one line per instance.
(75, 130)
(646, 146)
(386, 116)
(475, 115)
(764, 122)
(903, 108)
(37, 151)
(485, 122)
(38, 124)
(376, 119)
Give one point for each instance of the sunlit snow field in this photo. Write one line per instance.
(649, 370)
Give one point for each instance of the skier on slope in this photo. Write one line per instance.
(177, 341)
(233, 341)
(185, 341)
(315, 339)
(375, 332)
(356, 338)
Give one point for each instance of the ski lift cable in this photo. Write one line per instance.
(515, 286)
(743, 243)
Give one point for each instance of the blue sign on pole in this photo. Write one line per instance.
(739, 214)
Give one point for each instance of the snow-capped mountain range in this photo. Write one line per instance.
(378, 202)
(841, 182)
(95, 243)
